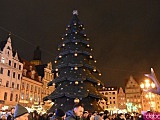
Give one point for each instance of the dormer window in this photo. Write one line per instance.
(32, 74)
(24, 72)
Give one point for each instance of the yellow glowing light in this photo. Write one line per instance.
(75, 54)
(90, 56)
(76, 68)
(63, 45)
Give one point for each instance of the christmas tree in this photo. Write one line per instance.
(74, 66)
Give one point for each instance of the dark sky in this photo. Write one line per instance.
(124, 34)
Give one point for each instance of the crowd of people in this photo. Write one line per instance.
(78, 113)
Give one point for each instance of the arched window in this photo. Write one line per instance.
(9, 62)
(11, 97)
(7, 84)
(5, 96)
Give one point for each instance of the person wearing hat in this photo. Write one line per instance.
(20, 113)
(59, 115)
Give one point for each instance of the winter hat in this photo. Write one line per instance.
(60, 113)
(19, 111)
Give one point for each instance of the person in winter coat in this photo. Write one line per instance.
(59, 115)
(10, 116)
(77, 112)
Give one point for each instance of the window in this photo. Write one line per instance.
(0, 81)
(1, 70)
(2, 60)
(19, 76)
(38, 98)
(27, 88)
(38, 90)
(16, 98)
(19, 67)
(35, 97)
(31, 97)
(31, 87)
(14, 65)
(7, 84)
(22, 96)
(17, 86)
(23, 86)
(8, 73)
(114, 102)
(35, 89)
(9, 62)
(14, 74)
(27, 96)
(5, 96)
(11, 97)
(113, 97)
(113, 92)
(12, 84)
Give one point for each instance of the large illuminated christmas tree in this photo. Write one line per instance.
(75, 70)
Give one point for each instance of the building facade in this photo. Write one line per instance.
(112, 104)
(150, 101)
(121, 99)
(133, 95)
(10, 74)
(31, 86)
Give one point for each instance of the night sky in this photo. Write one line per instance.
(124, 34)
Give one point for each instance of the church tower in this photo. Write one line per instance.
(37, 57)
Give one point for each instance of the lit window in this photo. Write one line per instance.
(2, 60)
(22, 96)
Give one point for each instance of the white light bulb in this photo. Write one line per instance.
(75, 54)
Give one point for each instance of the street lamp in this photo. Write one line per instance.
(147, 85)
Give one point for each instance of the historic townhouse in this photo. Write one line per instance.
(121, 99)
(133, 95)
(111, 105)
(10, 74)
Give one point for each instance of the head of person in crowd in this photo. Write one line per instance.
(20, 113)
(85, 114)
(59, 114)
(78, 109)
(12, 110)
(121, 116)
(94, 113)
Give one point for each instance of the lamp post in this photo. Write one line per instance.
(147, 86)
